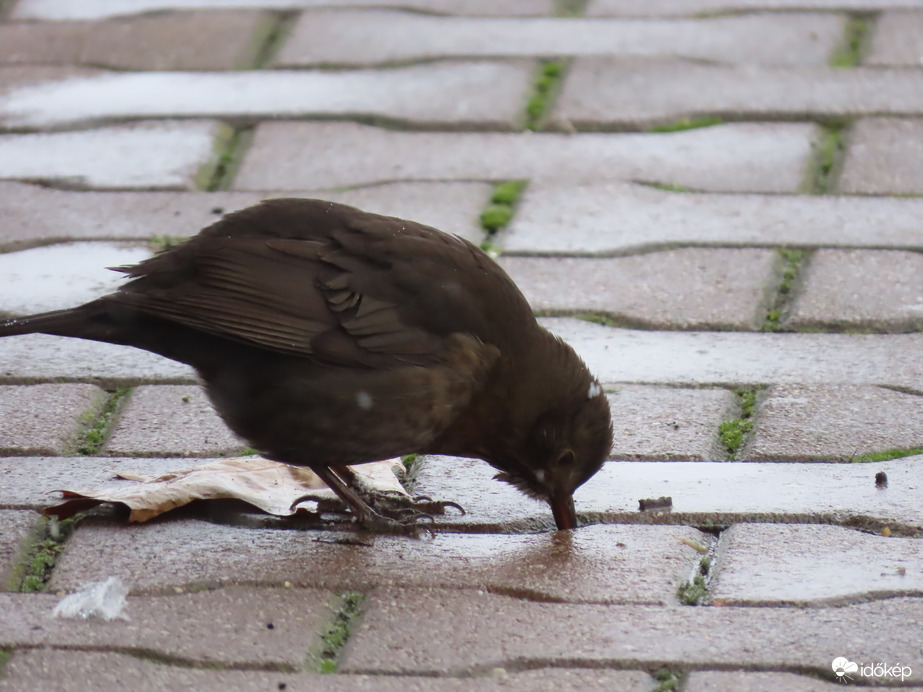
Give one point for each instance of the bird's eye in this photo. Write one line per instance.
(566, 459)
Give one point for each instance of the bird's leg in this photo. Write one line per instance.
(365, 515)
(391, 504)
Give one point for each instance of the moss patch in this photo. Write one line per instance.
(597, 319)
(668, 187)
(849, 52)
(887, 455)
(687, 124)
(667, 680)
(544, 89)
(826, 160)
(569, 8)
(409, 461)
(693, 592)
(337, 633)
(40, 558)
(268, 37)
(500, 210)
(98, 431)
(792, 260)
(230, 144)
(162, 243)
(733, 432)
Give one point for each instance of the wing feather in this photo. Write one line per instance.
(319, 281)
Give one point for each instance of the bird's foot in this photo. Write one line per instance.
(403, 507)
(381, 511)
(407, 524)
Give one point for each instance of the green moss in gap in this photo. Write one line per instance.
(499, 212)
(544, 89)
(733, 432)
(42, 556)
(792, 265)
(887, 455)
(337, 634)
(849, 52)
(687, 124)
(97, 433)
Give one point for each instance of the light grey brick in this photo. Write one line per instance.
(171, 420)
(812, 565)
(364, 37)
(558, 217)
(733, 158)
(46, 418)
(677, 289)
(884, 156)
(163, 154)
(834, 423)
(896, 40)
(601, 93)
(880, 290)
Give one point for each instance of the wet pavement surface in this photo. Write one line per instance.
(720, 209)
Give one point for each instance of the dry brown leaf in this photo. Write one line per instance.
(268, 485)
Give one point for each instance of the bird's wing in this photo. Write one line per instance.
(344, 288)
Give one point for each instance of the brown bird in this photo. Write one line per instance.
(327, 336)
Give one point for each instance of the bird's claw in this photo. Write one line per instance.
(424, 503)
(398, 506)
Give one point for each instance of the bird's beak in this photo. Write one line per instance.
(565, 516)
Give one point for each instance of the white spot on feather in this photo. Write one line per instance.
(594, 391)
(364, 400)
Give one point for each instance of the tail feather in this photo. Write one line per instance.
(70, 322)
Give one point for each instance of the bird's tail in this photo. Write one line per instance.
(72, 322)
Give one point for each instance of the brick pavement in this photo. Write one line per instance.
(727, 192)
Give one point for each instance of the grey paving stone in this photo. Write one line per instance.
(689, 288)
(171, 420)
(880, 290)
(213, 627)
(884, 156)
(162, 154)
(732, 158)
(704, 493)
(662, 423)
(364, 37)
(72, 671)
(557, 217)
(694, 8)
(98, 9)
(604, 564)
(33, 482)
(603, 93)
(65, 214)
(727, 358)
(895, 40)
(15, 528)
(833, 423)
(776, 564)
(470, 94)
(745, 681)
(46, 418)
(189, 41)
(36, 358)
(443, 632)
(614, 355)
(62, 276)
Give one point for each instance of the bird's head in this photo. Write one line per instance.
(565, 445)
